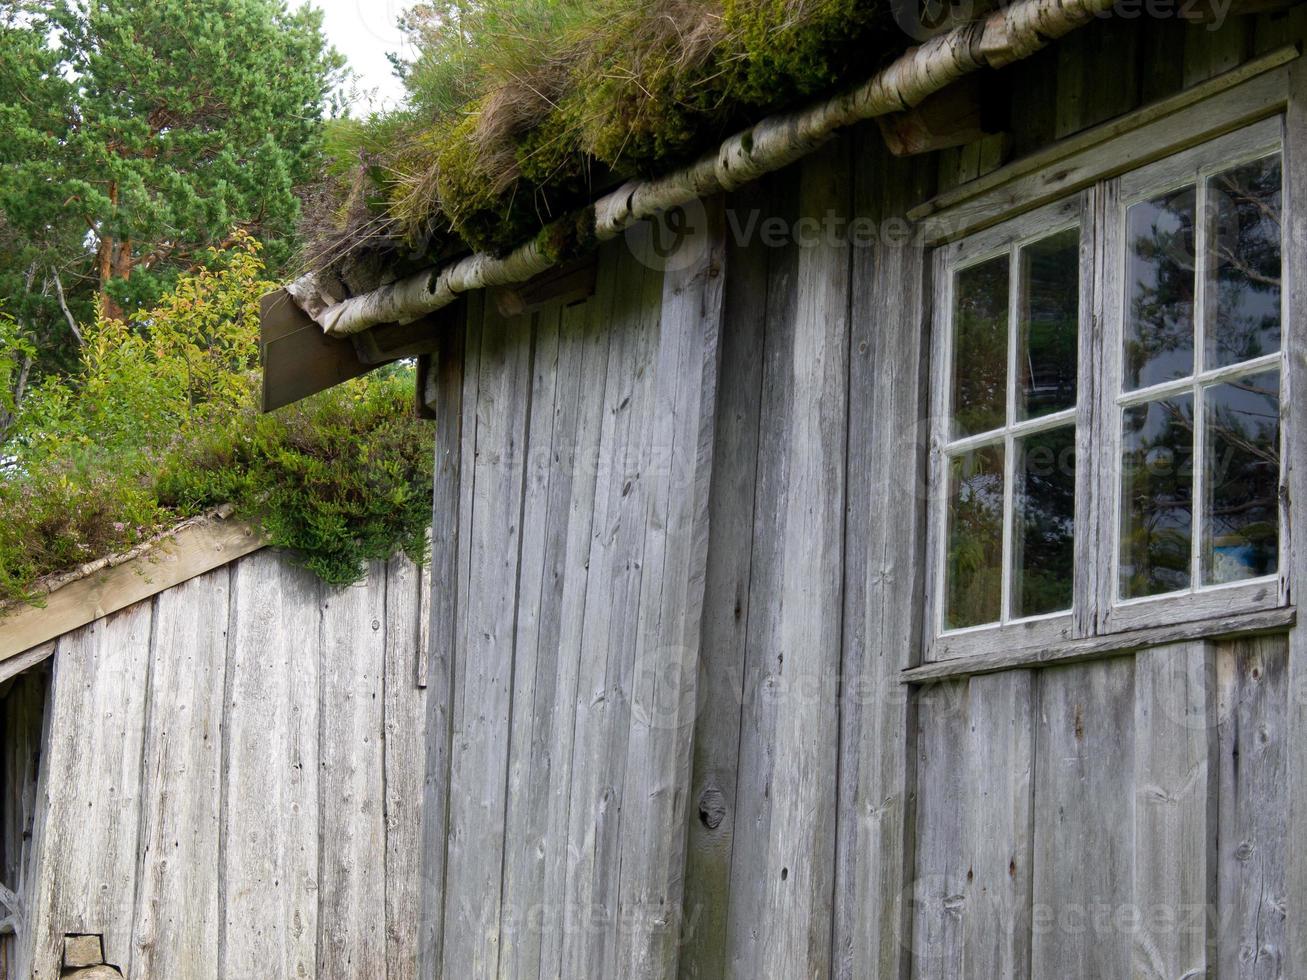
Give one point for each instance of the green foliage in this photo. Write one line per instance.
(343, 480)
(138, 133)
(159, 423)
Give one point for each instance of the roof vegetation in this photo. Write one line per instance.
(520, 110)
(160, 423)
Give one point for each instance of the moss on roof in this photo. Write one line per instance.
(522, 109)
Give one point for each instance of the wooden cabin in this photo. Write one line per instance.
(212, 768)
(887, 567)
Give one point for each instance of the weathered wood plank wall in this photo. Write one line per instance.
(832, 820)
(232, 780)
(580, 490)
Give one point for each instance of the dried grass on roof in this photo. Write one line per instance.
(522, 109)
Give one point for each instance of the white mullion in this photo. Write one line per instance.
(1009, 462)
(1045, 423)
(1197, 526)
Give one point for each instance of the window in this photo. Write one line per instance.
(1107, 415)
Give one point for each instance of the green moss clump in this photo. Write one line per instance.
(341, 479)
(569, 237)
(788, 50)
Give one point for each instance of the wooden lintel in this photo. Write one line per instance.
(952, 117)
(192, 551)
(564, 285)
(395, 341)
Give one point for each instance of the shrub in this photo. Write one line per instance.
(160, 423)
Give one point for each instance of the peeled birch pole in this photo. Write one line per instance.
(1007, 35)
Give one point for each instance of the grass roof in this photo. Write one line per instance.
(522, 110)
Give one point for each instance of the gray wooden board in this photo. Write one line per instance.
(1251, 704)
(588, 338)
(447, 590)
(883, 569)
(177, 916)
(664, 695)
(611, 616)
(554, 397)
(1084, 820)
(798, 874)
(762, 648)
(91, 811)
(478, 768)
(351, 789)
(937, 890)
(1175, 811)
(404, 747)
(270, 820)
(711, 816)
(1295, 453)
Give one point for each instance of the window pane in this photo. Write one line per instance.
(1244, 299)
(1242, 479)
(980, 328)
(1159, 321)
(975, 538)
(1050, 315)
(1157, 497)
(1043, 553)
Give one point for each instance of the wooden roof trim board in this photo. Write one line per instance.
(1007, 35)
(111, 584)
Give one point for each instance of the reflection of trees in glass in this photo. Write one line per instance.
(1244, 229)
(1157, 497)
(1050, 279)
(1241, 510)
(1159, 334)
(1043, 550)
(980, 348)
(975, 539)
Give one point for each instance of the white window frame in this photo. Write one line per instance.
(1100, 207)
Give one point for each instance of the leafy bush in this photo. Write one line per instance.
(160, 424)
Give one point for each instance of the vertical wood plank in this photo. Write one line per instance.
(712, 815)
(269, 858)
(1254, 851)
(404, 746)
(611, 616)
(1084, 820)
(553, 400)
(351, 790)
(447, 593)
(763, 651)
(664, 693)
(1295, 480)
(999, 816)
(1175, 811)
(588, 334)
(177, 911)
(883, 566)
(938, 888)
(92, 797)
(799, 873)
(480, 749)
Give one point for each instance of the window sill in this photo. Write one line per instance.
(1117, 644)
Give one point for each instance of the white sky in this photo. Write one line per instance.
(364, 31)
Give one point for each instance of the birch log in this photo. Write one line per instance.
(1005, 36)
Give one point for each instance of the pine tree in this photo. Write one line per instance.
(136, 134)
